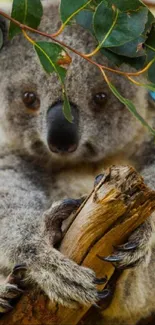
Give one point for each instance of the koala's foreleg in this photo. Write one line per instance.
(60, 278)
(11, 288)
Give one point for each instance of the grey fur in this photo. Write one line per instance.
(32, 178)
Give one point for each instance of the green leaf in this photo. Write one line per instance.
(96, 2)
(131, 107)
(151, 38)
(49, 55)
(150, 21)
(66, 107)
(151, 70)
(27, 12)
(1, 38)
(150, 50)
(115, 28)
(137, 63)
(69, 8)
(103, 21)
(85, 19)
(149, 86)
(126, 5)
(131, 49)
(113, 58)
(151, 73)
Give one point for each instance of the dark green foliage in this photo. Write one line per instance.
(27, 12)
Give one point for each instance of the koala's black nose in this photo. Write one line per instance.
(62, 136)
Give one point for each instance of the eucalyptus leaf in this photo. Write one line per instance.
(131, 49)
(113, 57)
(150, 21)
(131, 107)
(149, 86)
(112, 29)
(66, 107)
(150, 50)
(49, 55)
(151, 38)
(69, 8)
(151, 73)
(27, 12)
(151, 70)
(85, 19)
(126, 5)
(137, 63)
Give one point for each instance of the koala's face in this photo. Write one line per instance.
(31, 102)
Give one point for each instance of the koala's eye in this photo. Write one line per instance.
(100, 98)
(31, 101)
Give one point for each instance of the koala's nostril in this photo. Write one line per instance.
(58, 149)
(62, 136)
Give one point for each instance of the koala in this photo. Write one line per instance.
(47, 164)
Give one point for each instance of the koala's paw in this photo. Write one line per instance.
(64, 281)
(135, 252)
(11, 289)
(55, 216)
(78, 286)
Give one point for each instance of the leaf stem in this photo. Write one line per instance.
(28, 38)
(36, 31)
(134, 81)
(150, 47)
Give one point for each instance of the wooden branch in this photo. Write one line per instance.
(117, 206)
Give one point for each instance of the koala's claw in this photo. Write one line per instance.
(121, 259)
(12, 288)
(59, 212)
(17, 276)
(110, 258)
(104, 294)
(127, 247)
(101, 280)
(5, 307)
(18, 268)
(8, 292)
(12, 291)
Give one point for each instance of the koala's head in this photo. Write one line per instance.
(31, 102)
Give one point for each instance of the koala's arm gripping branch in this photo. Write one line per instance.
(118, 205)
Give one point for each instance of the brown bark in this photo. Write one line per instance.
(117, 206)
